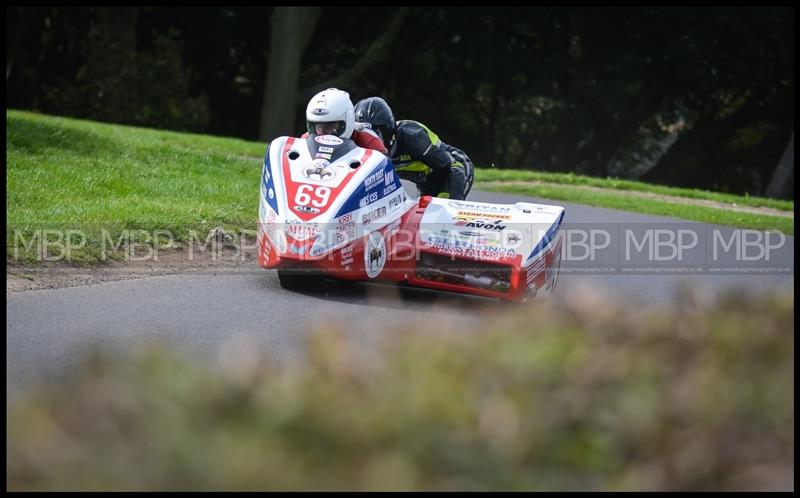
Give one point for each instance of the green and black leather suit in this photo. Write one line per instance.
(420, 156)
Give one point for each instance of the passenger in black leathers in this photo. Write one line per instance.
(417, 153)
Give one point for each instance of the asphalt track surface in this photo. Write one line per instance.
(202, 312)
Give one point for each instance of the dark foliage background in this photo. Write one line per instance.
(700, 97)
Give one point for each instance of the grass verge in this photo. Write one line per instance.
(488, 175)
(619, 200)
(67, 173)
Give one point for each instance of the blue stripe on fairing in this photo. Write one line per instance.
(269, 184)
(359, 193)
(547, 237)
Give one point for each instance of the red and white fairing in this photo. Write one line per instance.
(506, 250)
(330, 206)
(319, 212)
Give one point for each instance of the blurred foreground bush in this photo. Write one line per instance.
(589, 395)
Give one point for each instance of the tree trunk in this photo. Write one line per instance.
(12, 52)
(290, 31)
(690, 162)
(781, 185)
(375, 53)
(110, 74)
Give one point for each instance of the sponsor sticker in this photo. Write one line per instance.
(395, 201)
(306, 209)
(328, 140)
(367, 200)
(322, 148)
(322, 155)
(347, 256)
(481, 208)
(317, 250)
(534, 270)
(319, 111)
(473, 214)
(388, 190)
(468, 222)
(373, 180)
(345, 228)
(374, 254)
(373, 215)
(464, 239)
(302, 231)
(474, 251)
(320, 170)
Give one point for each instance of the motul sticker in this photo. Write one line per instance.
(329, 140)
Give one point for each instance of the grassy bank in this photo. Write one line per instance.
(66, 173)
(595, 397)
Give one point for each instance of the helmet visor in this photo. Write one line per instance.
(327, 128)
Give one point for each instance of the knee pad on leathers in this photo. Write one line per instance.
(456, 183)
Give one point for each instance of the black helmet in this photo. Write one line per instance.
(376, 112)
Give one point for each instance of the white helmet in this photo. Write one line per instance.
(333, 108)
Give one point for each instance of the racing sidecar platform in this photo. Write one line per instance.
(329, 208)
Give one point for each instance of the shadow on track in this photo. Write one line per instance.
(396, 296)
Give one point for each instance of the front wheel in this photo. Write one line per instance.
(301, 280)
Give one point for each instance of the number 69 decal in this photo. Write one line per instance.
(319, 199)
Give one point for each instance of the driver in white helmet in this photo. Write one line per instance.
(330, 112)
